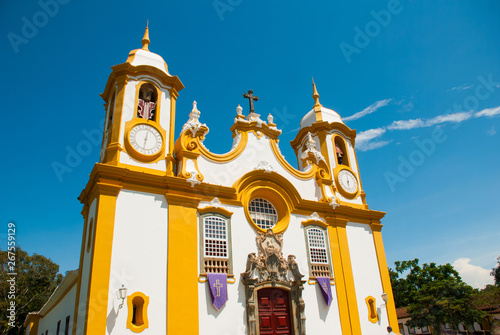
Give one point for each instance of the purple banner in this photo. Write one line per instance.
(326, 289)
(218, 288)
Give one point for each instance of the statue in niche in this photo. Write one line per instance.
(146, 106)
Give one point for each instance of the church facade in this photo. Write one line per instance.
(180, 240)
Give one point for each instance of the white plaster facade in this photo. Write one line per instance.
(142, 223)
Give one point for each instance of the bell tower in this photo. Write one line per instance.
(140, 98)
(324, 128)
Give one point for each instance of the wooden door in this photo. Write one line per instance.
(274, 312)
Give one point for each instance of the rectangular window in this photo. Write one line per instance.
(318, 252)
(411, 330)
(66, 328)
(58, 327)
(401, 329)
(425, 329)
(216, 249)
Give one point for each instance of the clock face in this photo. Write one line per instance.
(348, 181)
(145, 139)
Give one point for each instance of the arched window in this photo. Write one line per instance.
(263, 213)
(216, 249)
(137, 319)
(318, 252)
(341, 151)
(148, 98)
(372, 309)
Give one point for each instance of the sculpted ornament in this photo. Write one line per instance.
(270, 263)
(270, 269)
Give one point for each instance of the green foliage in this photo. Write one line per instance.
(490, 295)
(434, 295)
(36, 279)
(495, 272)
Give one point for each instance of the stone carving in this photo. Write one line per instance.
(194, 124)
(270, 269)
(263, 165)
(270, 263)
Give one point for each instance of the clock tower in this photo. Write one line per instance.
(323, 131)
(140, 98)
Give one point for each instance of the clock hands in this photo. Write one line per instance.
(145, 140)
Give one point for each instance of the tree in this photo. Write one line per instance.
(434, 295)
(495, 272)
(35, 280)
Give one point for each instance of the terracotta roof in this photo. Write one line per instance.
(402, 313)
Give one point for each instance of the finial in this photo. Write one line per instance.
(145, 39)
(270, 118)
(316, 95)
(239, 110)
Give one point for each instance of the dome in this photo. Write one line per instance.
(145, 57)
(319, 113)
(313, 116)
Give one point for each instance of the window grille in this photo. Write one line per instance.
(318, 255)
(263, 213)
(215, 246)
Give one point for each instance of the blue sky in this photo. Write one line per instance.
(418, 80)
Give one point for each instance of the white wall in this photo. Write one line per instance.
(366, 275)
(64, 308)
(139, 259)
(231, 319)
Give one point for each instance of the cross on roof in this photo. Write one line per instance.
(251, 98)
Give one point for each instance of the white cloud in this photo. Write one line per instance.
(364, 139)
(368, 135)
(473, 275)
(456, 117)
(372, 145)
(460, 88)
(406, 124)
(368, 110)
(490, 112)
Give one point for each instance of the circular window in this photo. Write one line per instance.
(263, 213)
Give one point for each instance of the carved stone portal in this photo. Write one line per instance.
(270, 269)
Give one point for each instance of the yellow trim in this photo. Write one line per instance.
(362, 194)
(341, 190)
(182, 317)
(384, 275)
(340, 281)
(101, 257)
(212, 209)
(294, 172)
(258, 130)
(267, 191)
(346, 292)
(113, 148)
(202, 278)
(372, 309)
(171, 141)
(311, 222)
(129, 69)
(323, 126)
(142, 312)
